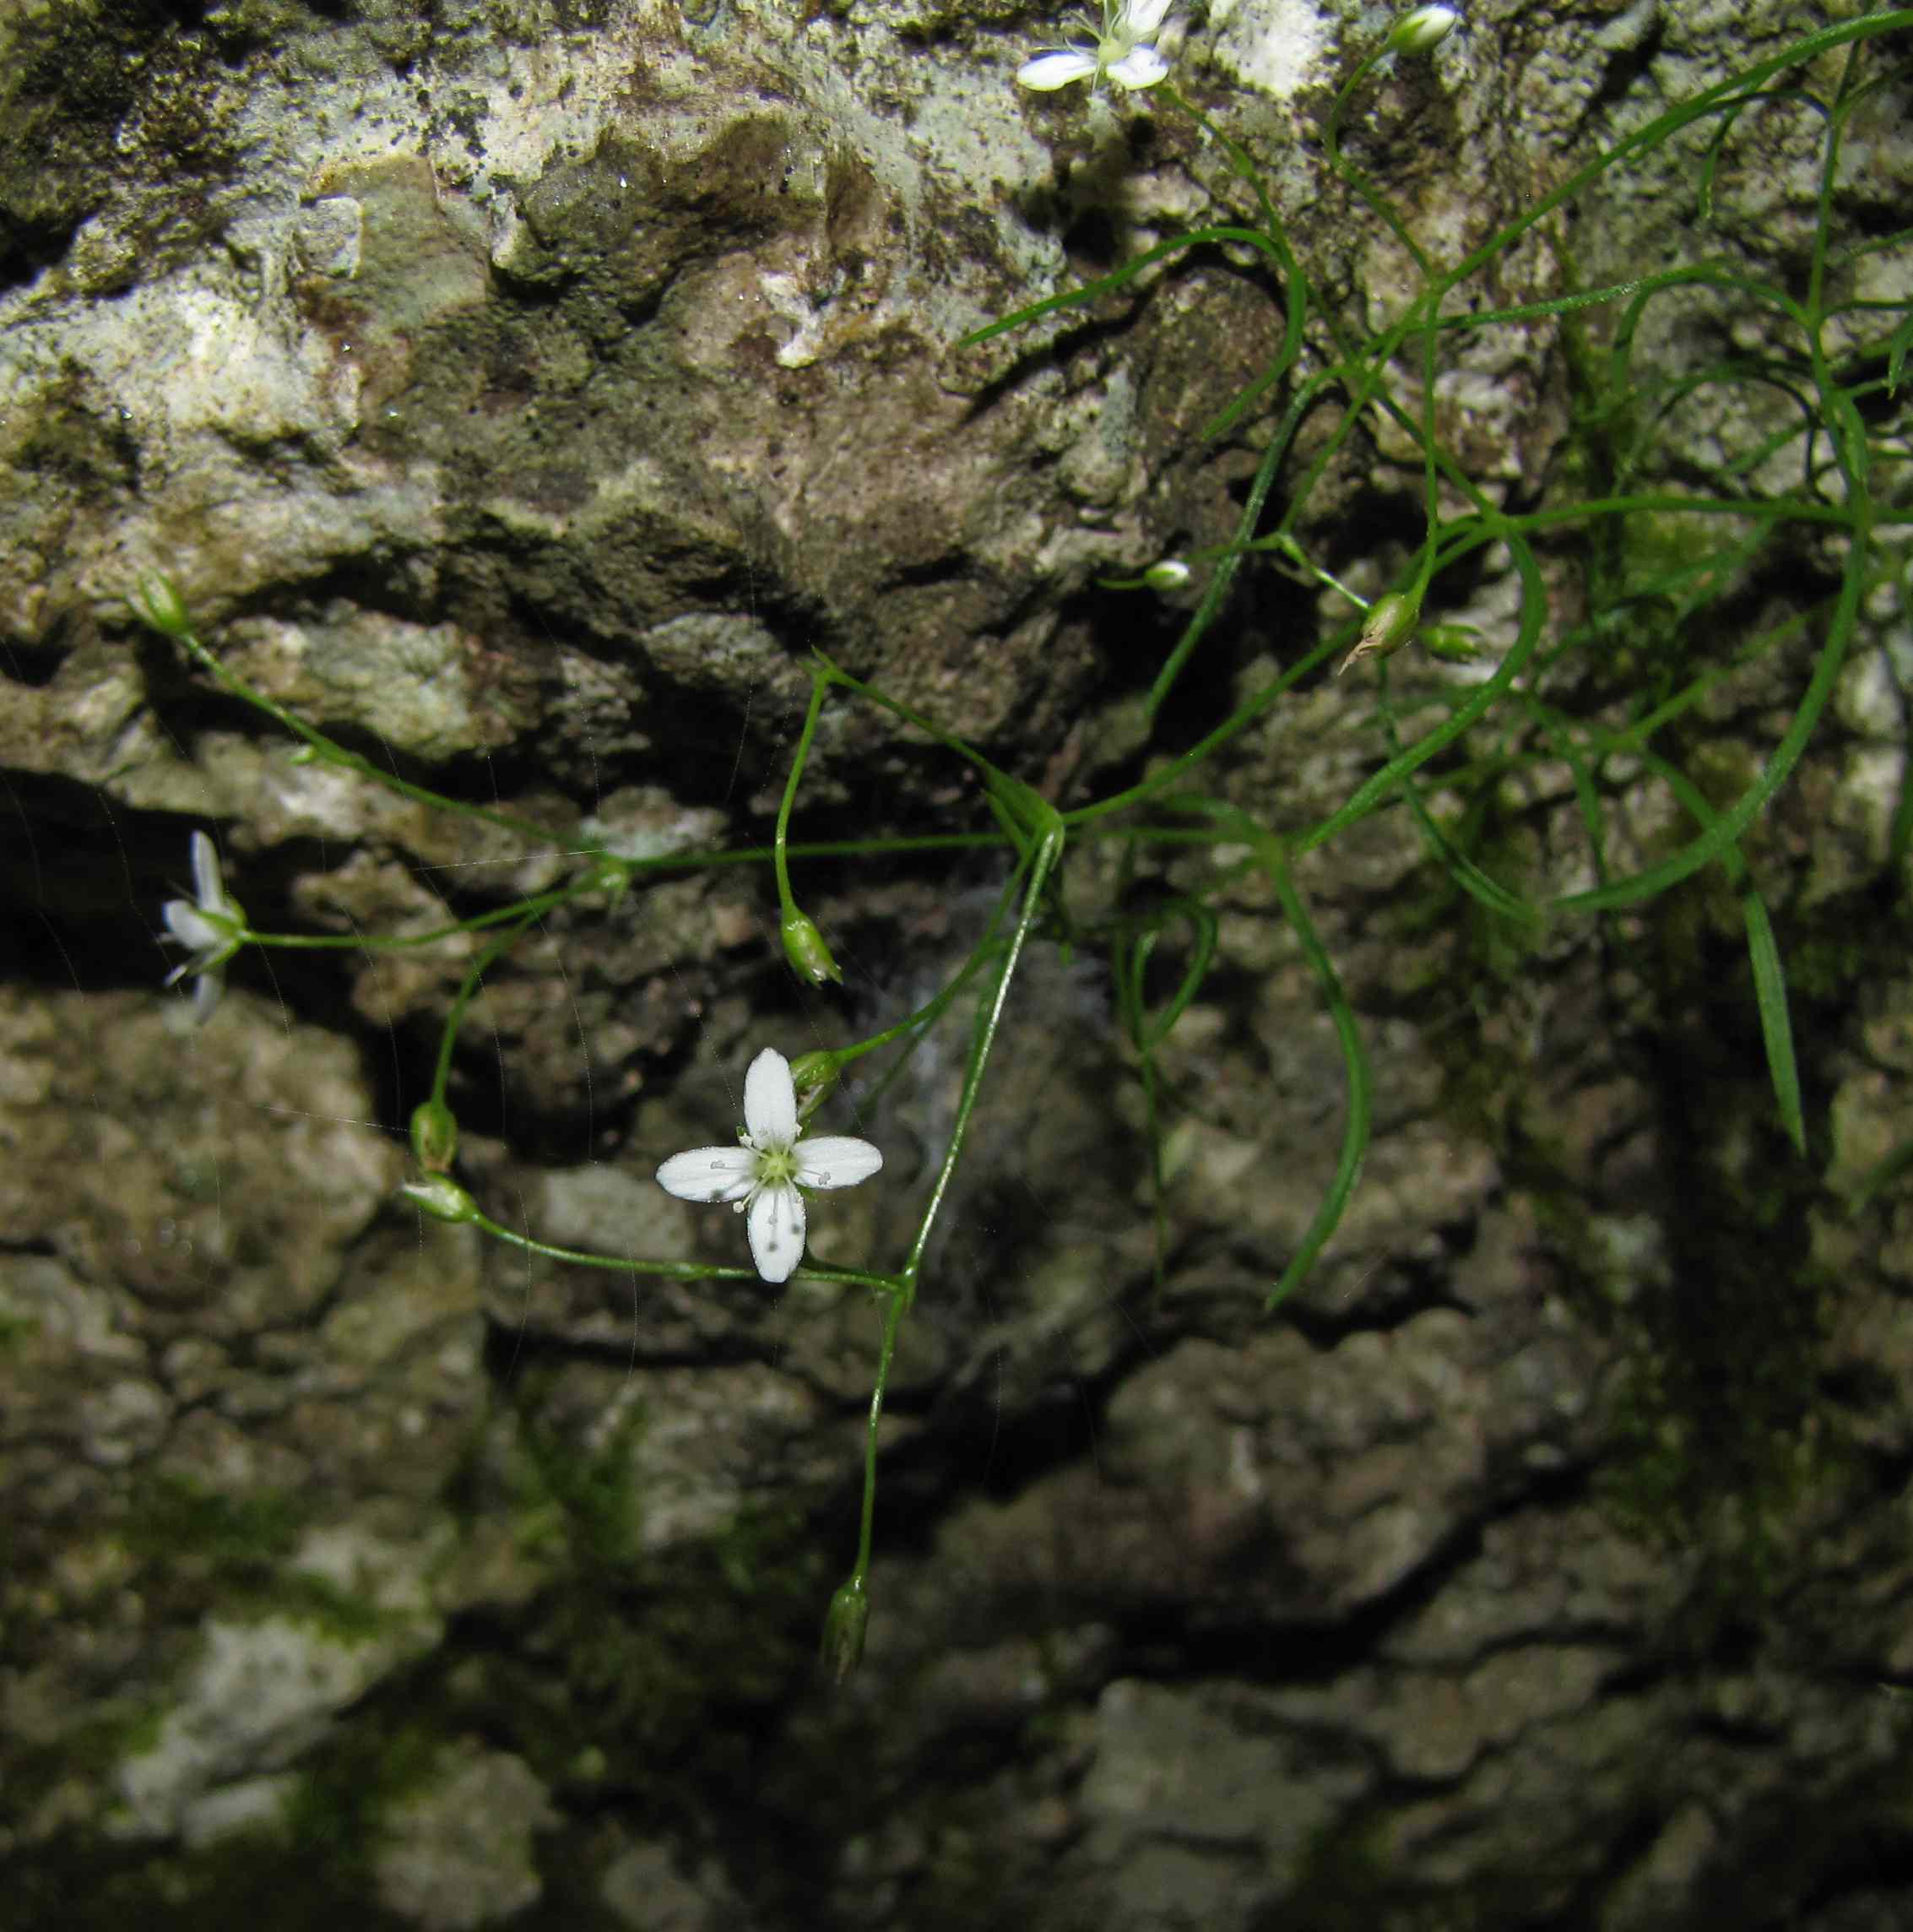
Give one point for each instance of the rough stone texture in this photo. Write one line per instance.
(518, 389)
(459, 1854)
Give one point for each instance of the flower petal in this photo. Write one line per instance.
(1049, 71)
(1142, 66)
(776, 1222)
(190, 927)
(710, 1173)
(207, 887)
(835, 1161)
(206, 991)
(1145, 17)
(770, 1101)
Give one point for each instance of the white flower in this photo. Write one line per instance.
(761, 1176)
(1124, 51)
(211, 924)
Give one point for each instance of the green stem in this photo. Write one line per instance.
(901, 1292)
(1218, 588)
(1776, 509)
(1286, 545)
(336, 754)
(1003, 786)
(892, 1321)
(1331, 141)
(455, 1017)
(673, 1270)
(1273, 860)
(518, 913)
(1048, 850)
(821, 682)
(932, 1009)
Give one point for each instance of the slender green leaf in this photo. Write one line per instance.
(1355, 1066)
(1777, 1029)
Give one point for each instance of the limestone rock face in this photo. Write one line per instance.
(519, 390)
(478, 376)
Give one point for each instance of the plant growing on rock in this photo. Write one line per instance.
(1490, 704)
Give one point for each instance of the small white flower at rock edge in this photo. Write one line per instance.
(761, 1176)
(1125, 52)
(210, 923)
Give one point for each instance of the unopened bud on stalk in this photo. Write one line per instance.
(813, 1075)
(435, 1137)
(1424, 30)
(611, 875)
(156, 600)
(442, 1198)
(1453, 643)
(849, 1617)
(1170, 574)
(804, 947)
(1390, 624)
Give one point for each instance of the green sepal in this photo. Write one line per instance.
(442, 1198)
(804, 947)
(844, 1627)
(435, 1137)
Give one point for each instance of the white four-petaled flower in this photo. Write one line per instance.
(1124, 51)
(210, 923)
(761, 1176)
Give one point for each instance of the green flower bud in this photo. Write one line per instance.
(442, 1198)
(1424, 30)
(156, 600)
(1453, 643)
(814, 1075)
(849, 1617)
(435, 1137)
(804, 947)
(1390, 624)
(1170, 574)
(611, 875)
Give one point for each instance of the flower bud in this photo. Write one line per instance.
(1453, 643)
(849, 1617)
(814, 1075)
(1170, 574)
(611, 875)
(156, 600)
(1390, 624)
(435, 1137)
(804, 947)
(1424, 30)
(442, 1198)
